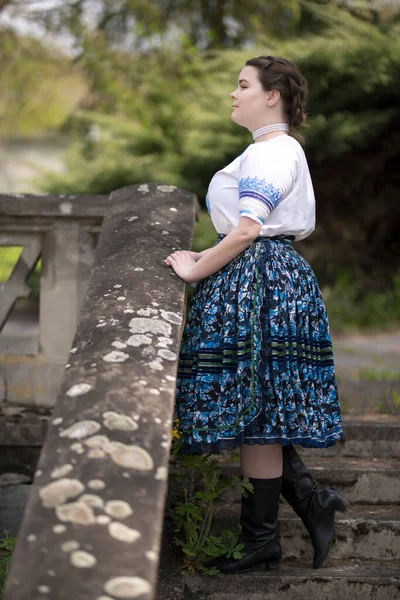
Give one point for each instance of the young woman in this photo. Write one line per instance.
(256, 365)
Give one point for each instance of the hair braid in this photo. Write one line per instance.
(281, 74)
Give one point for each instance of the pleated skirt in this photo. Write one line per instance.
(256, 363)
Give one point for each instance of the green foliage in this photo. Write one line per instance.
(201, 485)
(180, 133)
(39, 87)
(7, 545)
(350, 307)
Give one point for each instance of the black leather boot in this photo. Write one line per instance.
(314, 505)
(258, 520)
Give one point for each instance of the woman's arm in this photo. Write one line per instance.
(217, 257)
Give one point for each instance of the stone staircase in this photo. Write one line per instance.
(364, 562)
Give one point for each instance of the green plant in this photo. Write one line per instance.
(396, 399)
(351, 307)
(201, 484)
(7, 545)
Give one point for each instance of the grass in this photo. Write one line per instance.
(7, 545)
(373, 374)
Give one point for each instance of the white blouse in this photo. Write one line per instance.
(269, 183)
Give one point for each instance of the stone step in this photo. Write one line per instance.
(364, 531)
(365, 435)
(360, 480)
(344, 580)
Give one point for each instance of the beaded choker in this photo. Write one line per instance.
(270, 128)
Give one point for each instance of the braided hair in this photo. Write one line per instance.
(280, 74)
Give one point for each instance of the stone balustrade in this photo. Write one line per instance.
(63, 232)
(93, 522)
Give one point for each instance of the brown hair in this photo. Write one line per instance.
(280, 74)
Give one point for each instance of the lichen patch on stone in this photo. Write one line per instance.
(162, 473)
(92, 500)
(57, 492)
(113, 420)
(163, 342)
(167, 354)
(59, 529)
(81, 429)
(69, 546)
(155, 365)
(171, 317)
(118, 509)
(61, 471)
(76, 512)
(66, 208)
(103, 519)
(82, 559)
(123, 533)
(79, 389)
(147, 312)
(127, 587)
(77, 447)
(115, 356)
(138, 340)
(96, 484)
(131, 457)
(119, 345)
(96, 453)
(146, 325)
(166, 188)
(98, 441)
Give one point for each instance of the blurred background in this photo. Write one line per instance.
(99, 94)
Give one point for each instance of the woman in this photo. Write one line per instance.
(256, 365)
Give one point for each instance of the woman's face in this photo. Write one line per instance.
(249, 100)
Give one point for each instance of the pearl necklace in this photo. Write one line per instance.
(269, 129)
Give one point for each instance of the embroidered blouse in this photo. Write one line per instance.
(269, 183)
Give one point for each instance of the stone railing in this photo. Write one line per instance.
(93, 521)
(63, 231)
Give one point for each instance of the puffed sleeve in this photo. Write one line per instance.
(266, 178)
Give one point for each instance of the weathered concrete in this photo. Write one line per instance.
(364, 436)
(349, 580)
(93, 522)
(361, 481)
(365, 532)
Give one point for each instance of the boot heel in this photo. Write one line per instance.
(339, 503)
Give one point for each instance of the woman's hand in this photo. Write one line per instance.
(182, 262)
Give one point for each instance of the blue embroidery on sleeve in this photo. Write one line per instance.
(259, 189)
(208, 205)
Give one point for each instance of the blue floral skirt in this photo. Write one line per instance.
(256, 363)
